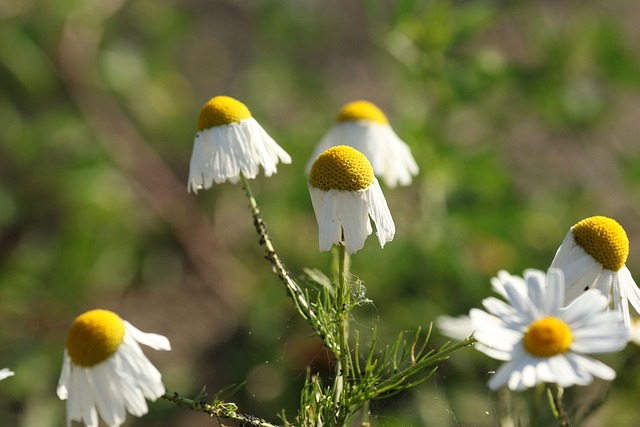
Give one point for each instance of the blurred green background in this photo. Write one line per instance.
(524, 117)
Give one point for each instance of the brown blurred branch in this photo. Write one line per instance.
(127, 147)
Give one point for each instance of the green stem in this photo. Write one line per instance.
(220, 410)
(343, 301)
(534, 405)
(365, 415)
(555, 393)
(295, 291)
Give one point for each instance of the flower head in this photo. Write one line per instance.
(593, 256)
(345, 193)
(363, 126)
(105, 372)
(229, 141)
(541, 340)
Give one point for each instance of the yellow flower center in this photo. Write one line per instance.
(222, 110)
(547, 337)
(341, 168)
(361, 110)
(604, 239)
(94, 336)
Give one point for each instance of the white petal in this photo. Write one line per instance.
(155, 341)
(592, 366)
(329, 225)
(554, 292)
(628, 287)
(380, 214)
(581, 310)
(220, 153)
(65, 377)
(458, 328)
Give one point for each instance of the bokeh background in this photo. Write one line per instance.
(524, 117)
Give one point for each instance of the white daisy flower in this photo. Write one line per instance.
(363, 126)
(540, 340)
(230, 141)
(6, 373)
(105, 372)
(593, 256)
(345, 193)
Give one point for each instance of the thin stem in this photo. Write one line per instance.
(218, 409)
(296, 293)
(365, 415)
(342, 292)
(555, 393)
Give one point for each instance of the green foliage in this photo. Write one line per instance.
(522, 116)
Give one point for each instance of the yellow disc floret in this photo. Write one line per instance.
(94, 336)
(604, 239)
(361, 110)
(341, 168)
(548, 337)
(222, 110)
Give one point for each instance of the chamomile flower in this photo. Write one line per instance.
(363, 126)
(345, 194)
(6, 373)
(542, 341)
(105, 372)
(593, 256)
(229, 142)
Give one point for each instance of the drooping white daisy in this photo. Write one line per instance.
(345, 194)
(363, 126)
(230, 141)
(543, 342)
(105, 372)
(593, 256)
(6, 373)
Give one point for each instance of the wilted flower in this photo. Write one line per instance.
(229, 142)
(593, 256)
(363, 126)
(105, 372)
(540, 340)
(345, 194)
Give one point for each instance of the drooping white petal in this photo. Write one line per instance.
(155, 341)
(221, 153)
(380, 214)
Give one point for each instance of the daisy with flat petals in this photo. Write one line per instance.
(542, 341)
(345, 194)
(229, 142)
(593, 256)
(363, 126)
(105, 372)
